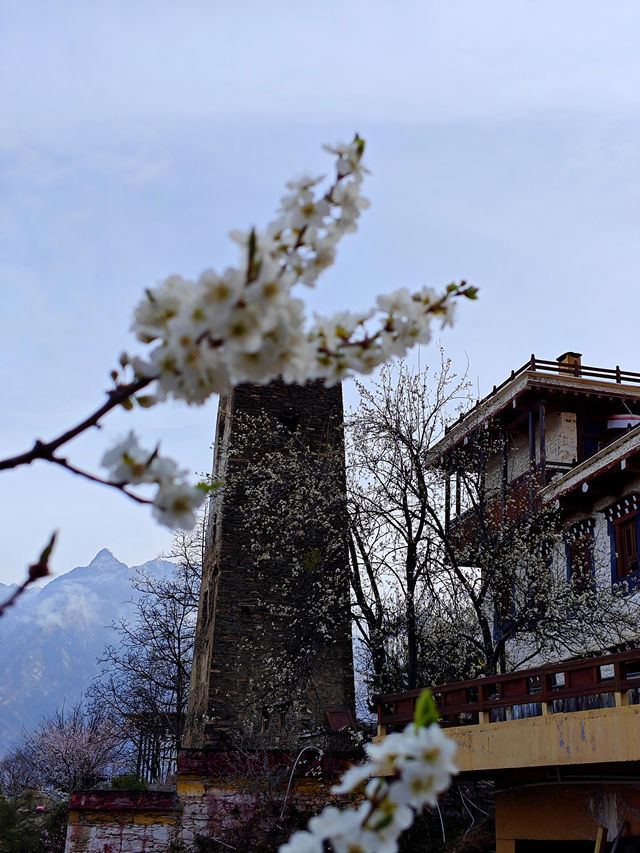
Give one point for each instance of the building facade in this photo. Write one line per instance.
(564, 435)
(559, 738)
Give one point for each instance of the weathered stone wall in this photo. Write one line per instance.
(122, 822)
(238, 626)
(562, 437)
(241, 799)
(248, 801)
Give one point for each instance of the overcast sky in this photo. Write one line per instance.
(502, 138)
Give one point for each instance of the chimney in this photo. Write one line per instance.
(570, 362)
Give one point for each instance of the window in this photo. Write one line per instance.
(580, 560)
(579, 550)
(624, 533)
(591, 438)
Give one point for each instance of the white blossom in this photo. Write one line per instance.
(175, 501)
(303, 842)
(409, 770)
(246, 324)
(129, 463)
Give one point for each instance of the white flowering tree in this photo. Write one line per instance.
(248, 324)
(72, 748)
(479, 595)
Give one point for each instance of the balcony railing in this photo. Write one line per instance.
(540, 365)
(530, 692)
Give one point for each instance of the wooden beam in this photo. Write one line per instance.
(532, 459)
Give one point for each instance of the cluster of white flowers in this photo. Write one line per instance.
(245, 325)
(406, 772)
(175, 500)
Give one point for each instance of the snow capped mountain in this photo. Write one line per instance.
(51, 638)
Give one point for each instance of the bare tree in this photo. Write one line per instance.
(16, 772)
(393, 497)
(439, 600)
(145, 676)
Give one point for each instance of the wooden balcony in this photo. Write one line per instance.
(572, 713)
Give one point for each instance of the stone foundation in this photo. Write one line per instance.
(223, 799)
(122, 822)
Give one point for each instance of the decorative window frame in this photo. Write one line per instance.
(621, 511)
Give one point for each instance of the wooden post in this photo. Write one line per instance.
(601, 840)
(532, 442)
(543, 445)
(532, 458)
(621, 698)
(458, 499)
(447, 503)
(505, 472)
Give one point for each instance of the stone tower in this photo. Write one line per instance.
(273, 659)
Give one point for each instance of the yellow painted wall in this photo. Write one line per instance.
(582, 737)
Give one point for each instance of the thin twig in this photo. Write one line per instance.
(121, 487)
(45, 450)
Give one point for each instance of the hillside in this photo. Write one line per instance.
(50, 640)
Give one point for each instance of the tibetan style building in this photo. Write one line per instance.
(561, 740)
(568, 437)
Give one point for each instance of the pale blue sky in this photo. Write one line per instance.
(503, 143)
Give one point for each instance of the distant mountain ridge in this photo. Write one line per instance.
(50, 639)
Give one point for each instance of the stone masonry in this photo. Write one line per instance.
(237, 628)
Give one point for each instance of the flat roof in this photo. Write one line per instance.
(539, 374)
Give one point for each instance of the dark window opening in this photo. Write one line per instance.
(592, 438)
(289, 419)
(626, 543)
(580, 562)
(264, 722)
(282, 720)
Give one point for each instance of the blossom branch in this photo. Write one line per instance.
(122, 487)
(40, 569)
(45, 450)
(245, 326)
(406, 772)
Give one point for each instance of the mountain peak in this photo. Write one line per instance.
(104, 554)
